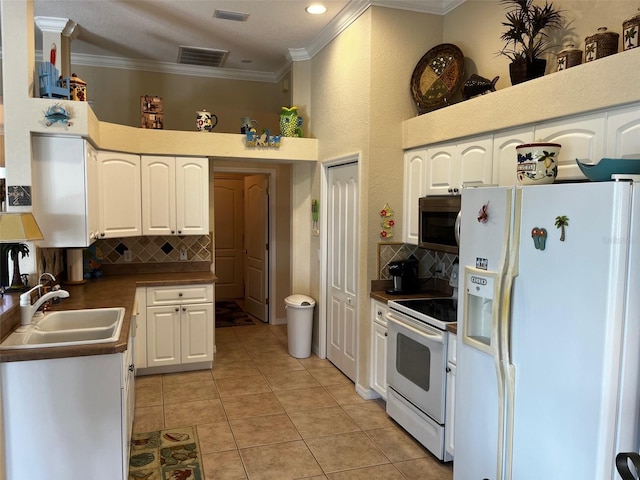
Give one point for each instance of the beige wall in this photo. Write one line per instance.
(476, 26)
(115, 96)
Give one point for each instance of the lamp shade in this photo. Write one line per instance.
(19, 227)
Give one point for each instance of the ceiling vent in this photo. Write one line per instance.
(233, 16)
(205, 57)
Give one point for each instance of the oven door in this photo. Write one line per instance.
(416, 361)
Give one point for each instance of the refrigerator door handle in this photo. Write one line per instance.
(456, 227)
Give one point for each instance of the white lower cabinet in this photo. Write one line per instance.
(451, 395)
(379, 347)
(68, 417)
(179, 327)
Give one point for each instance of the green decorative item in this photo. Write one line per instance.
(562, 221)
(290, 122)
(526, 38)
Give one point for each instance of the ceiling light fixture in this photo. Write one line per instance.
(316, 9)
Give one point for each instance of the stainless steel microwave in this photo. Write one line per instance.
(439, 223)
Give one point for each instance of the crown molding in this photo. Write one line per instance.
(439, 7)
(63, 26)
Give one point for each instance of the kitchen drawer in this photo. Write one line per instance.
(451, 348)
(379, 311)
(179, 294)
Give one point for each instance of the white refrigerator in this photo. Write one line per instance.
(548, 331)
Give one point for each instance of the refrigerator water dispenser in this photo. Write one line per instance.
(479, 288)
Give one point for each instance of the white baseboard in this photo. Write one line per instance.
(367, 393)
(280, 321)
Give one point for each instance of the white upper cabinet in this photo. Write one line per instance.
(449, 166)
(415, 186)
(505, 158)
(623, 133)
(441, 161)
(175, 195)
(582, 138)
(119, 194)
(65, 191)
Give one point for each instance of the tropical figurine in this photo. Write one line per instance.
(290, 122)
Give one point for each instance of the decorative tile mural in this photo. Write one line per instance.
(428, 260)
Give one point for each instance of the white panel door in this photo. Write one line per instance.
(120, 195)
(505, 158)
(623, 133)
(475, 162)
(158, 195)
(256, 207)
(415, 186)
(228, 231)
(342, 272)
(441, 160)
(196, 332)
(192, 196)
(163, 335)
(581, 138)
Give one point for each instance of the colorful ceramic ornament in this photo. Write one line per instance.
(290, 122)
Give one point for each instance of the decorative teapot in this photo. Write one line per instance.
(205, 121)
(290, 122)
(247, 123)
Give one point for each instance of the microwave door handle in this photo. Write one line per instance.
(456, 227)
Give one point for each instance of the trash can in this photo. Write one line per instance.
(299, 324)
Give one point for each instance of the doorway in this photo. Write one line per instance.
(340, 192)
(243, 233)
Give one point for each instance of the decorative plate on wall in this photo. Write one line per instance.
(437, 76)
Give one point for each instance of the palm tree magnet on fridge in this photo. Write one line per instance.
(562, 221)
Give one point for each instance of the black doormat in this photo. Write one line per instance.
(229, 314)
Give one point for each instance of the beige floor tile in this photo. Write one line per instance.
(265, 430)
(305, 399)
(232, 356)
(226, 335)
(426, 469)
(215, 437)
(148, 395)
(183, 377)
(379, 472)
(345, 394)
(241, 368)
(280, 366)
(148, 419)
(315, 362)
(255, 405)
(292, 380)
(322, 422)
(329, 376)
(189, 391)
(223, 466)
(193, 413)
(345, 452)
(230, 387)
(261, 342)
(283, 461)
(268, 357)
(397, 444)
(369, 415)
(148, 380)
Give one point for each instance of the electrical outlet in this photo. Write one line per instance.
(127, 255)
(183, 254)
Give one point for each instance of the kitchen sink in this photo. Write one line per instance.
(69, 328)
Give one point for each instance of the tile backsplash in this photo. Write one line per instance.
(155, 249)
(428, 260)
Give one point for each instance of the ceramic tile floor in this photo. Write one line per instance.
(261, 414)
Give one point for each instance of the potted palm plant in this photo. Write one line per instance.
(526, 38)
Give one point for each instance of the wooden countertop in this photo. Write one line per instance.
(104, 292)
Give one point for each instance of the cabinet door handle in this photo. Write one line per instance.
(179, 232)
(448, 370)
(172, 232)
(177, 309)
(380, 313)
(132, 367)
(386, 334)
(184, 309)
(180, 294)
(102, 234)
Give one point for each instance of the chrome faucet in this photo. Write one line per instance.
(27, 310)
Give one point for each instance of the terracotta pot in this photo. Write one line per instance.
(521, 70)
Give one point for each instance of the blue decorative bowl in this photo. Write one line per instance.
(602, 171)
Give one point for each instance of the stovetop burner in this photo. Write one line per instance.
(443, 310)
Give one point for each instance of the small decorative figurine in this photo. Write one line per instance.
(58, 113)
(290, 122)
(477, 85)
(205, 121)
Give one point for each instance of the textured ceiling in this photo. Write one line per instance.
(147, 34)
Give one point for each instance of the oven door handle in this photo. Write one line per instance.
(434, 337)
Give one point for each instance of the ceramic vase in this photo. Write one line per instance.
(537, 163)
(290, 122)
